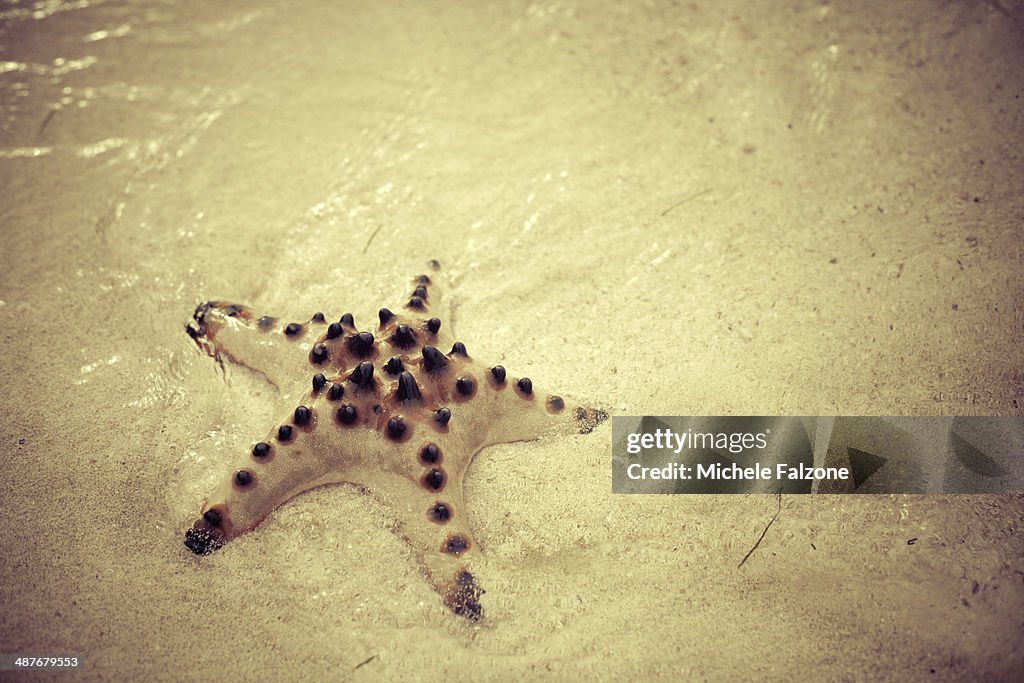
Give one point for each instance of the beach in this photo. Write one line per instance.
(651, 208)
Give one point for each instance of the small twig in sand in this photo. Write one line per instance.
(372, 235)
(684, 200)
(364, 662)
(763, 533)
(46, 122)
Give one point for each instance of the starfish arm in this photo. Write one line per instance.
(432, 519)
(293, 458)
(278, 349)
(518, 410)
(428, 304)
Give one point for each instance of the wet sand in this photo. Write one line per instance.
(659, 209)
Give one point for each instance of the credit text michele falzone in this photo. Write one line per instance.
(665, 439)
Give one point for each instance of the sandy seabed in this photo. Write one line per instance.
(671, 209)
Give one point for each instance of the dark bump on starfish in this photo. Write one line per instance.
(318, 317)
(421, 292)
(302, 416)
(232, 310)
(347, 320)
(377, 409)
(423, 279)
(464, 598)
(465, 386)
(588, 419)
(440, 513)
(416, 304)
(334, 330)
(433, 359)
(243, 479)
(434, 264)
(403, 337)
(319, 382)
(498, 373)
(385, 316)
(442, 416)
(430, 454)
(285, 433)
(394, 366)
(203, 541)
(292, 329)
(555, 404)
(456, 544)
(362, 376)
(435, 479)
(265, 323)
(347, 414)
(212, 518)
(407, 390)
(335, 392)
(433, 325)
(202, 309)
(525, 385)
(397, 428)
(361, 344)
(459, 349)
(319, 354)
(261, 451)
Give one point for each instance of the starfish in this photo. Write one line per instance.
(387, 411)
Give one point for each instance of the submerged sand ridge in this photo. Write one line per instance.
(669, 210)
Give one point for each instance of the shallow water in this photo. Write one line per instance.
(659, 208)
